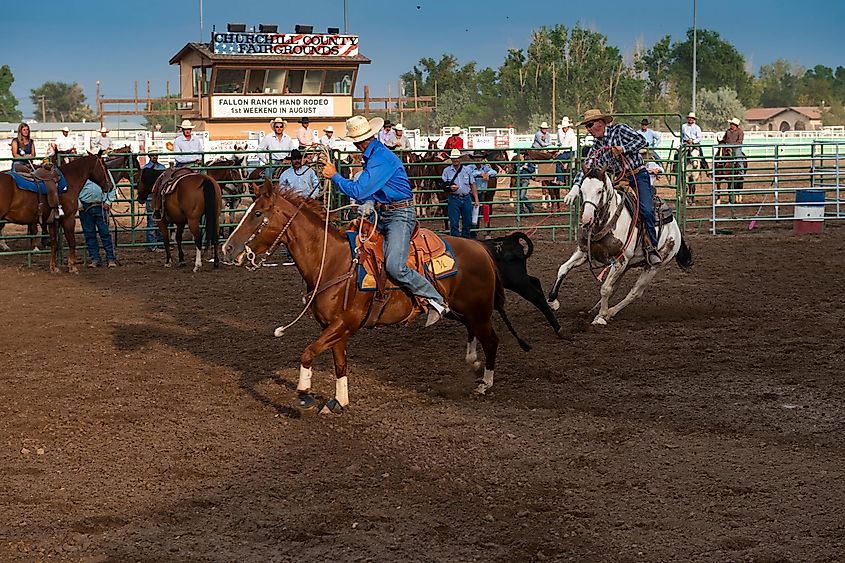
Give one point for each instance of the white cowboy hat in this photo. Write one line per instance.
(455, 153)
(104, 129)
(399, 127)
(692, 115)
(65, 129)
(359, 129)
(594, 114)
(151, 151)
(329, 129)
(456, 130)
(186, 124)
(565, 122)
(275, 121)
(734, 120)
(544, 125)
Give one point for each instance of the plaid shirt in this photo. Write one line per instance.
(619, 135)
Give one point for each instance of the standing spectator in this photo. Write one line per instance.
(304, 134)
(153, 234)
(401, 142)
(484, 174)
(525, 171)
(458, 181)
(328, 139)
(617, 147)
(278, 146)
(386, 135)
(94, 206)
(691, 136)
(188, 148)
(102, 143)
(65, 144)
(454, 141)
(652, 138)
(542, 139)
(568, 142)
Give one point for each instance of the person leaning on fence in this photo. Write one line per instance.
(542, 139)
(277, 146)
(103, 143)
(525, 173)
(384, 181)
(401, 142)
(187, 148)
(457, 180)
(691, 136)
(94, 205)
(652, 139)
(153, 234)
(568, 142)
(617, 147)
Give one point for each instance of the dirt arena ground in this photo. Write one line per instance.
(146, 416)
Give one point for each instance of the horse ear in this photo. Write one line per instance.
(584, 168)
(266, 188)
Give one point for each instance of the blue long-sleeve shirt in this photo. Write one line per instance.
(92, 193)
(303, 181)
(383, 179)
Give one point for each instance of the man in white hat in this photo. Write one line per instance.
(328, 139)
(691, 135)
(101, 143)
(65, 143)
(401, 142)
(386, 135)
(385, 182)
(736, 136)
(542, 139)
(458, 182)
(187, 148)
(617, 147)
(568, 142)
(278, 146)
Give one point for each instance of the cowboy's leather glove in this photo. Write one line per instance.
(570, 198)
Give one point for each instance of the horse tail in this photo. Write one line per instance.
(499, 305)
(211, 212)
(684, 257)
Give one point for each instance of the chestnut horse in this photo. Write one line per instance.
(196, 196)
(324, 259)
(21, 206)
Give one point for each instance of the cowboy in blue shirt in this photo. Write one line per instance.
(94, 203)
(385, 182)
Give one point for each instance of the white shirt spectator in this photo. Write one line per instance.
(187, 150)
(691, 133)
(331, 142)
(101, 143)
(65, 143)
(281, 147)
(567, 140)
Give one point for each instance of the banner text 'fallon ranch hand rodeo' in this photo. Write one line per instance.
(272, 106)
(292, 44)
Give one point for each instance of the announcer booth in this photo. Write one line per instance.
(242, 79)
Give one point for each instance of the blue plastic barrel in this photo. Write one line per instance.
(809, 211)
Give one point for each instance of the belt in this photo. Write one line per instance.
(459, 195)
(635, 170)
(396, 205)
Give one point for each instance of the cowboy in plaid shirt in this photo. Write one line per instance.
(613, 143)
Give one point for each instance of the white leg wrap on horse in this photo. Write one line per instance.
(198, 261)
(486, 382)
(472, 351)
(304, 379)
(342, 391)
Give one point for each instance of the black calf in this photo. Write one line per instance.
(511, 255)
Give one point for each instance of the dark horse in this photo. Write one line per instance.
(730, 170)
(301, 224)
(228, 172)
(195, 196)
(21, 206)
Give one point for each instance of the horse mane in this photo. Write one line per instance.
(313, 205)
(595, 173)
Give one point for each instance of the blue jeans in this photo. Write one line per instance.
(93, 221)
(397, 225)
(460, 215)
(153, 234)
(645, 195)
(270, 168)
(522, 196)
(565, 156)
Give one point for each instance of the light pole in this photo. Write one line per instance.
(345, 19)
(201, 33)
(694, 53)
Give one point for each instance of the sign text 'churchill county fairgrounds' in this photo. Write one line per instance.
(291, 44)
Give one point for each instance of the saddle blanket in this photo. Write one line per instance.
(663, 213)
(440, 267)
(40, 188)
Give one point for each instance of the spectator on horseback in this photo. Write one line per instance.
(384, 181)
(102, 143)
(401, 142)
(542, 139)
(386, 136)
(691, 136)
(568, 142)
(64, 144)
(328, 139)
(278, 146)
(652, 138)
(94, 205)
(735, 136)
(304, 135)
(617, 147)
(300, 178)
(459, 183)
(187, 148)
(23, 149)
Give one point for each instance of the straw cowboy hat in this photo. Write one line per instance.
(544, 125)
(734, 121)
(456, 130)
(152, 151)
(329, 129)
(186, 124)
(455, 153)
(594, 114)
(65, 129)
(359, 129)
(104, 129)
(399, 127)
(278, 120)
(565, 122)
(692, 115)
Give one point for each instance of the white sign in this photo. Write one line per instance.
(247, 107)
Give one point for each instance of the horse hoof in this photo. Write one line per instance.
(168, 265)
(54, 270)
(563, 334)
(73, 270)
(196, 269)
(600, 321)
(477, 365)
(306, 401)
(554, 305)
(481, 389)
(332, 406)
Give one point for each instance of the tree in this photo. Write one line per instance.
(655, 64)
(715, 108)
(8, 102)
(779, 83)
(61, 102)
(817, 86)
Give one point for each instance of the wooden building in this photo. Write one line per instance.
(241, 80)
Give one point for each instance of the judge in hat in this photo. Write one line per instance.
(278, 146)
(101, 143)
(187, 147)
(384, 182)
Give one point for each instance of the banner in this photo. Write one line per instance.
(290, 44)
(247, 107)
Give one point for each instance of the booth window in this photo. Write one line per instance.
(304, 81)
(255, 82)
(201, 80)
(338, 82)
(230, 81)
(275, 81)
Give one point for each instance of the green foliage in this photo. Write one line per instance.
(719, 65)
(715, 108)
(8, 102)
(779, 84)
(62, 102)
